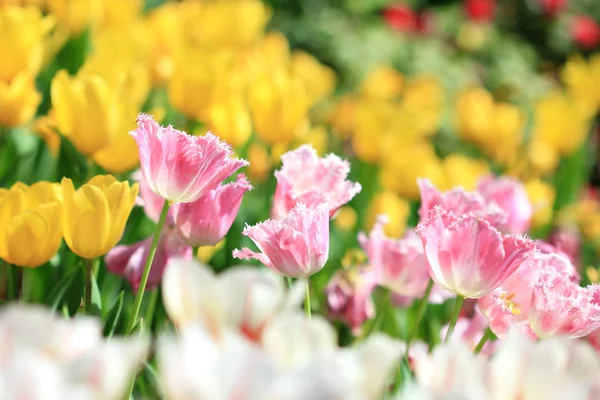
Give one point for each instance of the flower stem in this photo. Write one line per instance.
(10, 281)
(455, 312)
(307, 300)
(420, 311)
(486, 336)
(142, 288)
(195, 250)
(87, 293)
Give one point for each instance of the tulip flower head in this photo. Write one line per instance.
(179, 167)
(206, 221)
(30, 217)
(94, 216)
(306, 178)
(467, 256)
(511, 197)
(296, 246)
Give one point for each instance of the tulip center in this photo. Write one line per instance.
(509, 303)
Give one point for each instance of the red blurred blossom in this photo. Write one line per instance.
(585, 31)
(552, 7)
(480, 10)
(404, 19)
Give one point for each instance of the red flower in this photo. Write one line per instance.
(402, 18)
(585, 31)
(480, 10)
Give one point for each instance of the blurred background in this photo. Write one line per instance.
(446, 90)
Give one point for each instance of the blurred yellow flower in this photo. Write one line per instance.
(22, 37)
(89, 111)
(45, 127)
(542, 156)
(463, 171)
(316, 136)
(374, 120)
(382, 83)
(230, 23)
(206, 253)
(342, 117)
(474, 114)
(345, 219)
(507, 133)
(19, 100)
(22, 3)
(424, 99)
(230, 120)
(279, 105)
(541, 195)
(404, 163)
(94, 216)
(561, 122)
(318, 78)
(122, 154)
(260, 163)
(272, 53)
(120, 12)
(394, 207)
(30, 223)
(193, 89)
(471, 36)
(582, 79)
(76, 15)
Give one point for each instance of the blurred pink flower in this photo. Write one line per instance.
(128, 260)
(349, 296)
(206, 221)
(567, 241)
(459, 202)
(179, 167)
(562, 307)
(585, 31)
(510, 196)
(296, 246)
(306, 178)
(468, 256)
(480, 10)
(398, 265)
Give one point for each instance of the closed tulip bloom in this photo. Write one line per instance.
(296, 246)
(18, 100)
(94, 216)
(206, 221)
(128, 260)
(467, 256)
(511, 196)
(306, 178)
(179, 167)
(400, 264)
(30, 231)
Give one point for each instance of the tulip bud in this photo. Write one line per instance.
(18, 100)
(30, 231)
(94, 216)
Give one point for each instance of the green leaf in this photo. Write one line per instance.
(572, 176)
(96, 306)
(113, 316)
(59, 291)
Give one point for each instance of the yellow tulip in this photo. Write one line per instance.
(373, 121)
(94, 216)
(122, 155)
(507, 133)
(541, 195)
(22, 35)
(582, 79)
(45, 127)
(76, 15)
(561, 122)
(120, 12)
(394, 207)
(272, 53)
(316, 136)
(206, 253)
(260, 162)
(230, 120)
(543, 157)
(382, 83)
(19, 100)
(474, 114)
(345, 219)
(279, 105)
(230, 23)
(89, 111)
(30, 223)
(424, 99)
(318, 78)
(342, 117)
(463, 171)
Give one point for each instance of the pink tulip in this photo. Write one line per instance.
(510, 196)
(468, 256)
(206, 221)
(128, 260)
(306, 178)
(151, 202)
(568, 241)
(562, 307)
(296, 246)
(399, 265)
(349, 297)
(459, 202)
(179, 167)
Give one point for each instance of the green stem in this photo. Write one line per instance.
(27, 285)
(195, 250)
(421, 307)
(486, 336)
(289, 282)
(455, 312)
(307, 299)
(151, 308)
(142, 288)
(10, 282)
(87, 297)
